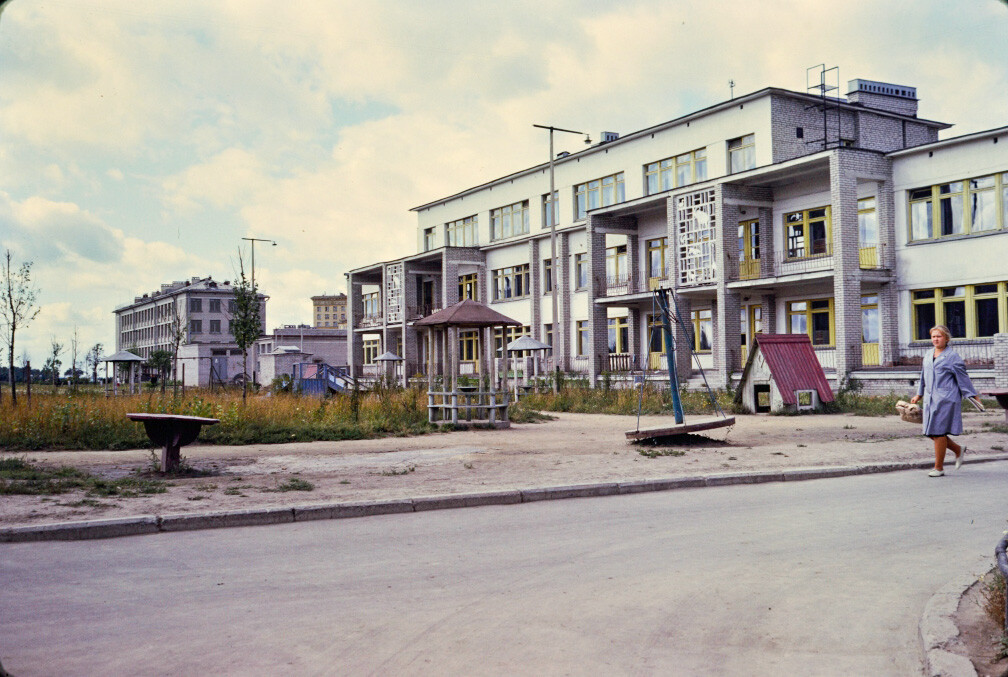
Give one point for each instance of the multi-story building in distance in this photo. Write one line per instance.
(330, 310)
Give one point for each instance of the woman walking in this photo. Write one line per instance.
(943, 385)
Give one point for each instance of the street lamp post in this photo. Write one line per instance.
(253, 240)
(552, 211)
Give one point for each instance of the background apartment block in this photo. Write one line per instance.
(330, 310)
(278, 352)
(203, 308)
(846, 219)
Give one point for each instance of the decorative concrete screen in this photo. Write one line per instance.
(695, 221)
(394, 292)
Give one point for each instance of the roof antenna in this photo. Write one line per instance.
(731, 85)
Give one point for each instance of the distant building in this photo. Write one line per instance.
(203, 308)
(330, 310)
(276, 353)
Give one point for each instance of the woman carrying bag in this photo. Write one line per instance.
(943, 385)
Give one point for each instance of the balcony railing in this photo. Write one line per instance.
(805, 263)
(976, 354)
(370, 320)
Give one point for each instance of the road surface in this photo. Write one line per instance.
(826, 577)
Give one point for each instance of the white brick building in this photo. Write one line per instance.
(777, 211)
(203, 308)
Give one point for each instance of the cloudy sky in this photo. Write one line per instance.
(140, 141)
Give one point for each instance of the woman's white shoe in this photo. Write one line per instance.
(936, 473)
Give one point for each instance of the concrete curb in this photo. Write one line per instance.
(152, 524)
(938, 631)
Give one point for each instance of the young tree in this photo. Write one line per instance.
(73, 357)
(246, 325)
(177, 332)
(160, 360)
(93, 359)
(54, 362)
(18, 307)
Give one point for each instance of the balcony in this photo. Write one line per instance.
(371, 320)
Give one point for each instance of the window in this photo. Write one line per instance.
(748, 249)
(948, 306)
(511, 282)
(598, 193)
(867, 222)
(509, 221)
(214, 326)
(547, 276)
(195, 305)
(371, 306)
(215, 305)
(581, 271)
(985, 309)
(676, 171)
(547, 218)
(468, 286)
(869, 318)
(513, 334)
(741, 153)
(656, 257)
(581, 336)
(469, 345)
(196, 326)
(807, 233)
(619, 335)
(371, 346)
(430, 238)
(548, 334)
(959, 207)
(814, 318)
(656, 334)
(616, 263)
(702, 328)
(461, 233)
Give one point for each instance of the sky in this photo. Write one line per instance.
(141, 141)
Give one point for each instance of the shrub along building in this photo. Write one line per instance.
(201, 309)
(845, 219)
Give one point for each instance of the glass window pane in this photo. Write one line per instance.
(982, 216)
(798, 324)
(869, 325)
(950, 215)
(986, 317)
(820, 329)
(867, 229)
(955, 318)
(920, 220)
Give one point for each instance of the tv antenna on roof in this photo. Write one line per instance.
(825, 83)
(731, 86)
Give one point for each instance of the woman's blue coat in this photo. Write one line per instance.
(943, 385)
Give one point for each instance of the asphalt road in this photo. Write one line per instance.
(827, 577)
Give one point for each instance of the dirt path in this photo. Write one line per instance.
(573, 449)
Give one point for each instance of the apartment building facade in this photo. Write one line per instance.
(330, 310)
(779, 211)
(201, 309)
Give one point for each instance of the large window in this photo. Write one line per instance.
(959, 207)
(195, 305)
(616, 263)
(656, 257)
(581, 271)
(969, 311)
(461, 233)
(513, 334)
(372, 308)
(196, 326)
(430, 238)
(581, 340)
(598, 193)
(550, 217)
(619, 335)
(547, 276)
(468, 286)
(702, 330)
(868, 237)
(469, 345)
(869, 318)
(676, 171)
(813, 317)
(215, 305)
(214, 326)
(748, 249)
(511, 282)
(741, 153)
(371, 346)
(510, 220)
(808, 233)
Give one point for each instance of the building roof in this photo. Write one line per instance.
(793, 365)
(467, 313)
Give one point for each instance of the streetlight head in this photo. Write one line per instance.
(587, 140)
(274, 244)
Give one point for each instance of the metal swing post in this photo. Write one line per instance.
(661, 296)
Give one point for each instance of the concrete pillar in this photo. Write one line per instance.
(846, 266)
(598, 327)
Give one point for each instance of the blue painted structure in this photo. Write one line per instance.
(318, 378)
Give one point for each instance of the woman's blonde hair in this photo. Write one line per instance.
(944, 331)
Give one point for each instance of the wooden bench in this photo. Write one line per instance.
(171, 432)
(1002, 398)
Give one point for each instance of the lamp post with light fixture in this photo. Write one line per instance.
(553, 252)
(253, 240)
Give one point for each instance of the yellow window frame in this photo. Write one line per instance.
(808, 312)
(934, 197)
(806, 223)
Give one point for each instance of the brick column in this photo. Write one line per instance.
(355, 311)
(562, 325)
(1001, 361)
(846, 267)
(598, 328)
(538, 284)
(888, 310)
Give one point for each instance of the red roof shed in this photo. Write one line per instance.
(792, 365)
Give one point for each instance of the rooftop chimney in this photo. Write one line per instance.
(899, 99)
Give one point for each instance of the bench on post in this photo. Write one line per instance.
(1002, 398)
(171, 432)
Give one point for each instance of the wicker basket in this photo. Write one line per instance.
(911, 413)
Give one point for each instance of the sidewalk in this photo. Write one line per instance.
(574, 455)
